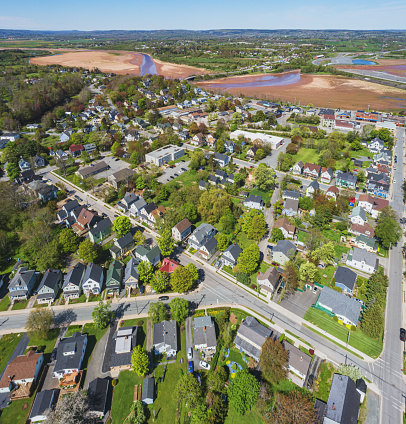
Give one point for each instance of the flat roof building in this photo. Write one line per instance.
(165, 154)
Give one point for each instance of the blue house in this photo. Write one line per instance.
(345, 278)
(22, 284)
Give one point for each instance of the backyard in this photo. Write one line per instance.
(8, 343)
(323, 382)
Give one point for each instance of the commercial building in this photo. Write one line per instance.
(165, 154)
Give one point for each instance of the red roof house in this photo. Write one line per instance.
(169, 265)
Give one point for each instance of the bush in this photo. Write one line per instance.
(335, 318)
(353, 328)
(114, 382)
(140, 323)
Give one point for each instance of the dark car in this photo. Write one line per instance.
(104, 214)
(310, 381)
(402, 334)
(162, 298)
(53, 355)
(116, 160)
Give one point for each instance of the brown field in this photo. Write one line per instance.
(119, 62)
(322, 90)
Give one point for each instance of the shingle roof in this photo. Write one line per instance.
(114, 272)
(43, 400)
(166, 332)
(291, 204)
(20, 368)
(50, 279)
(284, 223)
(234, 250)
(201, 231)
(100, 226)
(297, 359)
(21, 278)
(253, 331)
(346, 276)
(291, 193)
(183, 225)
(347, 176)
(148, 389)
(210, 244)
(93, 272)
(361, 255)
(64, 362)
(97, 392)
(131, 269)
(271, 274)
(75, 275)
(125, 240)
(204, 334)
(285, 247)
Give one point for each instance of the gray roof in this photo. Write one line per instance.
(234, 250)
(347, 176)
(297, 359)
(93, 272)
(148, 389)
(139, 204)
(131, 269)
(91, 170)
(314, 184)
(130, 198)
(271, 274)
(64, 362)
(97, 392)
(291, 193)
(343, 401)
(124, 341)
(346, 276)
(44, 400)
(362, 255)
(340, 304)
(100, 226)
(359, 211)
(166, 332)
(125, 240)
(285, 246)
(204, 334)
(220, 156)
(254, 199)
(50, 279)
(292, 204)
(201, 231)
(21, 278)
(210, 244)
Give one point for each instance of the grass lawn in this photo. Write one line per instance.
(8, 343)
(189, 177)
(15, 414)
(323, 382)
(307, 155)
(46, 345)
(301, 235)
(358, 339)
(5, 303)
(251, 417)
(328, 271)
(93, 336)
(80, 299)
(243, 241)
(339, 250)
(332, 235)
(266, 195)
(234, 356)
(72, 329)
(264, 266)
(19, 305)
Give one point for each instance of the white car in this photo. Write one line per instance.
(394, 181)
(189, 354)
(204, 365)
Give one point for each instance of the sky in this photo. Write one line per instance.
(209, 14)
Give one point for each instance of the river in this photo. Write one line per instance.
(148, 66)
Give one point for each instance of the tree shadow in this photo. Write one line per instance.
(65, 317)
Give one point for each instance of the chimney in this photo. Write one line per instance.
(333, 407)
(301, 358)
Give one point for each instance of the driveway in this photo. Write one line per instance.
(189, 343)
(170, 172)
(299, 302)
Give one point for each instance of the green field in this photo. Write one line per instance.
(358, 339)
(7, 345)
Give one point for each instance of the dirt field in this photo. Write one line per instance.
(322, 90)
(119, 62)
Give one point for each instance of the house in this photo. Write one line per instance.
(343, 401)
(328, 121)
(251, 152)
(213, 180)
(291, 207)
(181, 230)
(93, 280)
(346, 179)
(269, 280)
(72, 285)
(204, 336)
(251, 335)
(384, 157)
(357, 229)
(371, 204)
(65, 136)
(165, 338)
(151, 212)
(221, 159)
(254, 202)
(197, 140)
(69, 355)
(122, 245)
(211, 141)
(146, 254)
(345, 278)
(283, 251)
(49, 286)
(358, 216)
(332, 193)
(229, 146)
(337, 304)
(124, 341)
(21, 373)
(199, 235)
(376, 145)
(203, 185)
(44, 400)
(89, 171)
(128, 199)
(131, 276)
(311, 170)
(380, 190)
(183, 135)
(85, 221)
(114, 277)
(169, 265)
(100, 231)
(366, 243)
(312, 188)
(60, 154)
(137, 207)
(291, 194)
(288, 229)
(363, 260)
(97, 393)
(122, 176)
(298, 362)
(209, 247)
(298, 168)
(89, 147)
(24, 165)
(22, 284)
(165, 154)
(76, 150)
(148, 390)
(326, 175)
(230, 255)
(39, 162)
(67, 208)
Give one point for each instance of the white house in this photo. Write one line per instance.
(69, 355)
(326, 175)
(363, 260)
(254, 202)
(358, 216)
(312, 188)
(372, 205)
(298, 168)
(231, 254)
(93, 279)
(165, 338)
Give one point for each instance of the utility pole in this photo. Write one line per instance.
(348, 338)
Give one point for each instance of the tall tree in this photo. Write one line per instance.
(102, 314)
(273, 361)
(39, 322)
(243, 392)
(165, 242)
(139, 238)
(137, 413)
(122, 225)
(146, 272)
(87, 251)
(387, 229)
(68, 240)
(265, 178)
(140, 361)
(179, 309)
(181, 280)
(187, 391)
(160, 281)
(191, 267)
(157, 312)
(248, 261)
(73, 408)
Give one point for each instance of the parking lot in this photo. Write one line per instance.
(170, 172)
(115, 165)
(299, 302)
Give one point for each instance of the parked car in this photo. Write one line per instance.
(162, 298)
(204, 365)
(315, 288)
(78, 198)
(402, 334)
(190, 353)
(53, 355)
(310, 381)
(104, 215)
(190, 366)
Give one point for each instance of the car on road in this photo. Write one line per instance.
(402, 334)
(78, 198)
(310, 381)
(162, 298)
(394, 181)
(116, 160)
(190, 353)
(190, 366)
(175, 175)
(104, 214)
(315, 289)
(204, 365)
(269, 247)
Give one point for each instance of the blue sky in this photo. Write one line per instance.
(209, 14)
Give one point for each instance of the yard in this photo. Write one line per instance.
(5, 303)
(266, 195)
(80, 299)
(243, 241)
(307, 155)
(189, 178)
(328, 272)
(72, 329)
(93, 336)
(358, 339)
(17, 412)
(8, 343)
(323, 382)
(19, 305)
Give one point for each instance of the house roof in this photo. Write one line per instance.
(210, 244)
(343, 401)
(72, 204)
(271, 274)
(85, 217)
(314, 184)
(254, 199)
(328, 170)
(376, 202)
(149, 253)
(294, 194)
(320, 410)
(148, 389)
(346, 276)
(50, 279)
(201, 231)
(149, 208)
(361, 255)
(20, 368)
(340, 304)
(357, 228)
(21, 278)
(251, 335)
(183, 225)
(333, 189)
(284, 223)
(347, 176)
(369, 241)
(43, 400)
(131, 269)
(358, 211)
(97, 392)
(285, 247)
(114, 272)
(124, 241)
(291, 204)
(296, 358)
(312, 167)
(361, 385)
(93, 272)
(204, 334)
(124, 341)
(90, 170)
(76, 148)
(122, 174)
(64, 361)
(100, 226)
(234, 250)
(166, 332)
(169, 265)
(300, 164)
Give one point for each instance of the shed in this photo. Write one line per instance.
(148, 390)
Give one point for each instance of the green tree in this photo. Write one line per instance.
(115, 147)
(274, 358)
(85, 157)
(222, 242)
(179, 309)
(140, 361)
(122, 225)
(49, 256)
(160, 281)
(39, 322)
(137, 414)
(248, 261)
(181, 280)
(265, 178)
(68, 240)
(165, 242)
(276, 235)
(157, 312)
(140, 183)
(193, 271)
(228, 222)
(372, 322)
(139, 238)
(188, 392)
(307, 272)
(220, 146)
(325, 253)
(387, 229)
(12, 171)
(145, 271)
(217, 379)
(200, 414)
(243, 392)
(277, 208)
(258, 228)
(350, 371)
(87, 251)
(102, 314)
